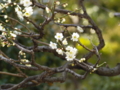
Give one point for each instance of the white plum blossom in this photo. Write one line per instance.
(75, 37)
(28, 11)
(5, 16)
(18, 10)
(53, 45)
(70, 57)
(47, 9)
(17, 33)
(2, 28)
(69, 48)
(13, 35)
(59, 51)
(64, 42)
(70, 53)
(63, 20)
(26, 3)
(1, 6)
(59, 36)
(57, 3)
(79, 29)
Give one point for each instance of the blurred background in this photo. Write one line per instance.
(102, 12)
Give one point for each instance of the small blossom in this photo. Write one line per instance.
(57, 3)
(12, 34)
(94, 69)
(47, 9)
(2, 28)
(71, 53)
(65, 4)
(63, 20)
(19, 13)
(5, 16)
(59, 36)
(70, 57)
(60, 51)
(69, 48)
(64, 42)
(6, 20)
(29, 65)
(4, 33)
(27, 3)
(17, 33)
(53, 45)
(28, 11)
(1, 6)
(25, 61)
(92, 31)
(9, 1)
(75, 36)
(28, 22)
(14, 3)
(79, 29)
(82, 59)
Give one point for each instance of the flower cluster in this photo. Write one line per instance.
(27, 11)
(26, 62)
(69, 51)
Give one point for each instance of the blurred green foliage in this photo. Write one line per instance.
(101, 12)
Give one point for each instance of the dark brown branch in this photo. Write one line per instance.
(105, 71)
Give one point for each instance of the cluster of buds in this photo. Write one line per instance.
(26, 62)
(82, 60)
(22, 53)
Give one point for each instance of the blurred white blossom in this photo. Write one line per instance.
(59, 51)
(28, 11)
(79, 29)
(18, 10)
(2, 28)
(53, 45)
(26, 3)
(47, 9)
(64, 42)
